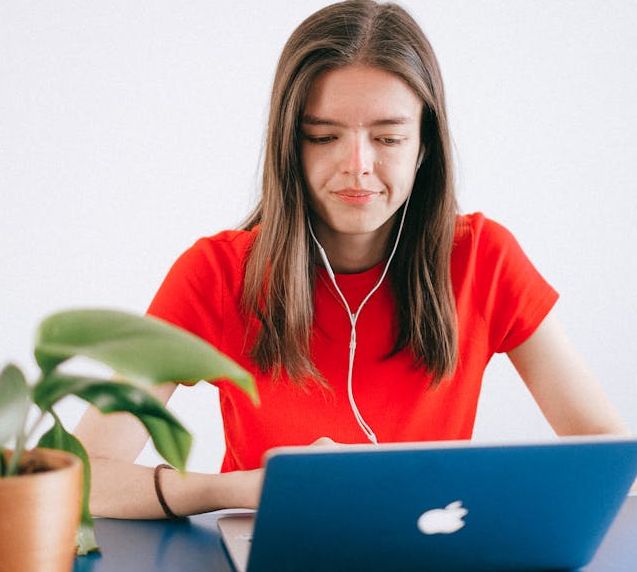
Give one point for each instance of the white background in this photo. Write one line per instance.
(130, 129)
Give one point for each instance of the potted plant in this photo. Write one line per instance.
(41, 500)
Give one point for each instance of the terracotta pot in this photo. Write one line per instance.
(40, 514)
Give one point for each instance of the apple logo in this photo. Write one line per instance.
(443, 520)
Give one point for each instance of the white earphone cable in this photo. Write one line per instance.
(353, 317)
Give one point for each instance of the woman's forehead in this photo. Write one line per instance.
(361, 96)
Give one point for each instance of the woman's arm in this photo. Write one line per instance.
(566, 391)
(122, 489)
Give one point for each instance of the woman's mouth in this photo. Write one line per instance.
(355, 196)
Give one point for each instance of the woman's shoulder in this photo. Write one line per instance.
(231, 242)
(477, 230)
(220, 254)
(474, 224)
(232, 238)
(483, 240)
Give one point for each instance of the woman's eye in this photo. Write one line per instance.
(390, 140)
(320, 140)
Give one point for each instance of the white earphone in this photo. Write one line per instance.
(421, 156)
(353, 317)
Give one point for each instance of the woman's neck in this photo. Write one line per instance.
(353, 253)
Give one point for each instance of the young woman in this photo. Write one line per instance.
(366, 307)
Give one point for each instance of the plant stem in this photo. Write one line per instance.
(17, 453)
(21, 441)
(35, 425)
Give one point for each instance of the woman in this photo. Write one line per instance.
(364, 305)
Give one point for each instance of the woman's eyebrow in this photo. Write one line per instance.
(309, 119)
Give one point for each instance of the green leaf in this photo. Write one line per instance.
(141, 348)
(170, 438)
(59, 438)
(14, 403)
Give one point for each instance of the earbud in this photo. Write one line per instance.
(421, 156)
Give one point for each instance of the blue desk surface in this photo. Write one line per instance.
(194, 545)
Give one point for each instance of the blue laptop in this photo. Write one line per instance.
(437, 507)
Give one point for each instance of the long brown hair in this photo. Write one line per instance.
(279, 276)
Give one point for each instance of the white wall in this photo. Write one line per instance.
(129, 129)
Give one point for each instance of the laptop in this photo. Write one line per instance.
(443, 506)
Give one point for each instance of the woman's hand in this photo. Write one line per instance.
(247, 487)
(248, 484)
(326, 442)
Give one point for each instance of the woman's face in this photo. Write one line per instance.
(360, 145)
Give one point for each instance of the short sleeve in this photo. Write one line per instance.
(191, 295)
(512, 295)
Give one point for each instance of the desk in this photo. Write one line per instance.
(194, 545)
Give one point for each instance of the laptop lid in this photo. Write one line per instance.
(443, 506)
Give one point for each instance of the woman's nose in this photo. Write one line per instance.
(359, 157)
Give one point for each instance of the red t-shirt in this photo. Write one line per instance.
(501, 299)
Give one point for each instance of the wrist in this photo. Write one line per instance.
(236, 489)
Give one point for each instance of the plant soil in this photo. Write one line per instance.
(32, 466)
